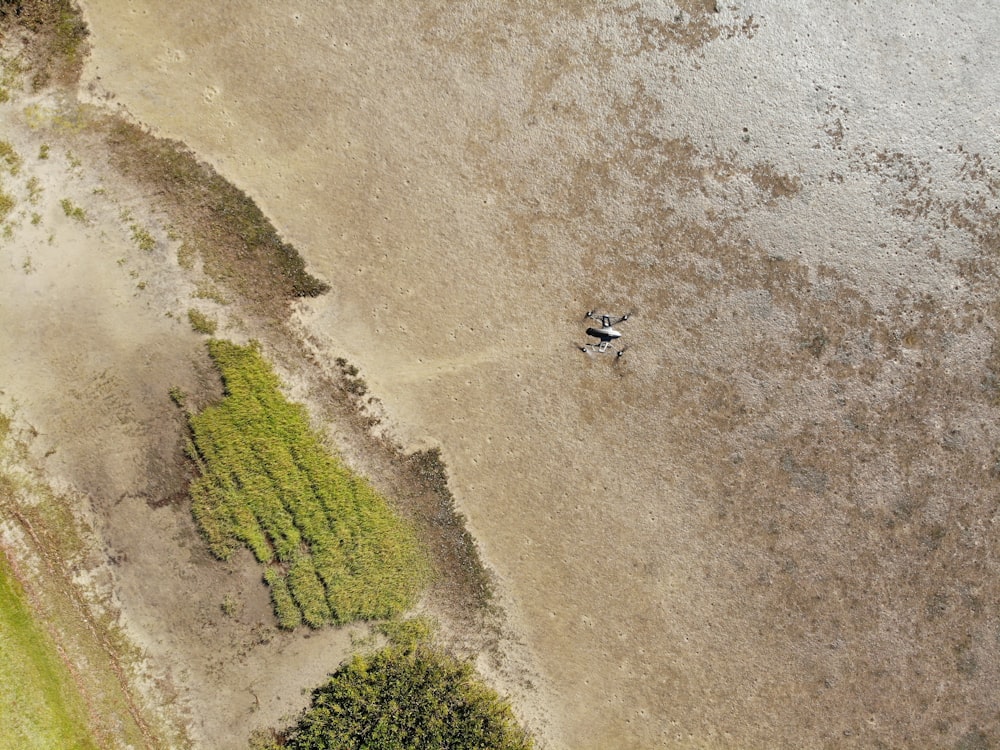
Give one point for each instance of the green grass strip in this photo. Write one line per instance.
(266, 482)
(39, 703)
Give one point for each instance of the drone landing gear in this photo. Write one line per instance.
(592, 348)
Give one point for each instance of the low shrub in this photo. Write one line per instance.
(398, 698)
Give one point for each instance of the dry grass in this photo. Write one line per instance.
(238, 245)
(58, 38)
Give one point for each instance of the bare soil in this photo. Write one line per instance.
(115, 236)
(771, 523)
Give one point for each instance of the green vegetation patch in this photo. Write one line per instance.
(201, 323)
(72, 210)
(10, 158)
(142, 238)
(39, 704)
(408, 632)
(11, 69)
(335, 550)
(7, 204)
(404, 699)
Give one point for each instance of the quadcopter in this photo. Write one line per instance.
(605, 334)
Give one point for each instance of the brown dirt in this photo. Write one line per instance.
(98, 332)
(771, 523)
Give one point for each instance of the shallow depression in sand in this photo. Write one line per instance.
(713, 540)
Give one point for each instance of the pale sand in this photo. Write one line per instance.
(94, 334)
(771, 524)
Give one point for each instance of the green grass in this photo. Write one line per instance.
(39, 704)
(408, 632)
(417, 698)
(7, 204)
(73, 211)
(10, 158)
(142, 238)
(11, 70)
(335, 550)
(201, 323)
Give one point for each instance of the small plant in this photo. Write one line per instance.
(231, 605)
(178, 396)
(34, 190)
(356, 386)
(43, 151)
(185, 256)
(142, 238)
(27, 266)
(207, 290)
(74, 160)
(11, 69)
(10, 157)
(36, 218)
(73, 211)
(7, 203)
(408, 632)
(201, 323)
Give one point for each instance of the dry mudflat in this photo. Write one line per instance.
(771, 523)
(94, 335)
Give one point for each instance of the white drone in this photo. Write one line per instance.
(605, 334)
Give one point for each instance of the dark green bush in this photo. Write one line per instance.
(417, 698)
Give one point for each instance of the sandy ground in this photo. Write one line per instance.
(94, 334)
(771, 523)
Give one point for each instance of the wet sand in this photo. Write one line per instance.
(769, 523)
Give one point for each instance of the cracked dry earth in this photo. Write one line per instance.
(772, 522)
